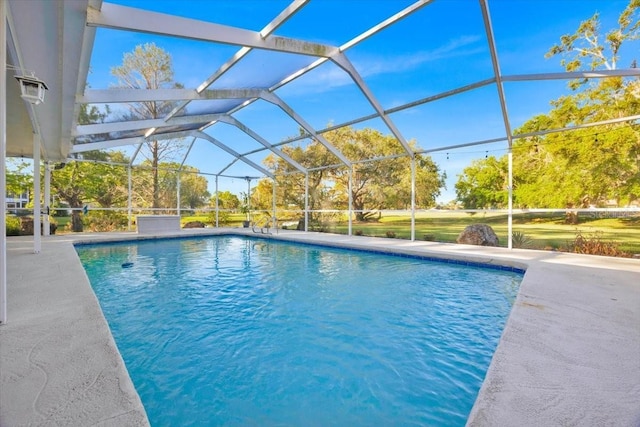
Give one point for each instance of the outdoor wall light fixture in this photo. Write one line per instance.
(32, 89)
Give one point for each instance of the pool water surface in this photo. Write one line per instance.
(235, 331)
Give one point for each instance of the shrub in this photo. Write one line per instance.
(100, 221)
(223, 218)
(594, 245)
(521, 241)
(193, 224)
(12, 225)
(357, 233)
(391, 234)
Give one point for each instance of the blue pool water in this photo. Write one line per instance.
(239, 332)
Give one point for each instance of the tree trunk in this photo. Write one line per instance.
(156, 185)
(76, 222)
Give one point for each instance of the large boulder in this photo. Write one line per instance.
(478, 234)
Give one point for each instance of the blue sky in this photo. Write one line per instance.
(441, 47)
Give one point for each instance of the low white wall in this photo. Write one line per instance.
(157, 223)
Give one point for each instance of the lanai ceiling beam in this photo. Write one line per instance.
(358, 39)
(287, 13)
(381, 26)
(276, 100)
(88, 38)
(184, 159)
(631, 72)
(235, 122)
(105, 145)
(233, 162)
(174, 135)
(199, 134)
(131, 19)
(496, 69)
(113, 143)
(384, 24)
(143, 124)
(343, 62)
(125, 95)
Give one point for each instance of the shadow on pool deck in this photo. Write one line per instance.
(569, 354)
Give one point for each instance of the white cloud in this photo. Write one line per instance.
(329, 76)
(461, 46)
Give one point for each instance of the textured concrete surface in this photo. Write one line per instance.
(569, 354)
(59, 365)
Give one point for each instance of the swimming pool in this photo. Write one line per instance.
(233, 331)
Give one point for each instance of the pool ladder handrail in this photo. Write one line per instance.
(264, 229)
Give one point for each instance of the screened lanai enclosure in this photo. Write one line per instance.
(323, 114)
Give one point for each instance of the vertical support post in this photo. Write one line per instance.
(178, 193)
(248, 199)
(46, 227)
(129, 211)
(3, 156)
(274, 218)
(413, 197)
(510, 220)
(350, 231)
(37, 243)
(306, 202)
(217, 203)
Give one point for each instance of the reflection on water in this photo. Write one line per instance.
(236, 331)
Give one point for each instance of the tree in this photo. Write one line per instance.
(587, 166)
(290, 183)
(592, 166)
(381, 178)
(589, 44)
(149, 67)
(483, 184)
(262, 195)
(226, 200)
(193, 187)
(18, 180)
(78, 183)
(382, 183)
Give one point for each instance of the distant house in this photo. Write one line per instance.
(15, 202)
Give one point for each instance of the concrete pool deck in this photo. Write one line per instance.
(569, 353)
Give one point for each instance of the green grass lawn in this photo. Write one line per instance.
(546, 230)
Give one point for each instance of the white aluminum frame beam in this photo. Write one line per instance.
(276, 100)
(125, 95)
(235, 122)
(343, 62)
(386, 23)
(496, 68)
(486, 16)
(600, 74)
(105, 145)
(144, 124)
(88, 39)
(287, 13)
(184, 159)
(110, 11)
(238, 156)
(131, 19)
(358, 39)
